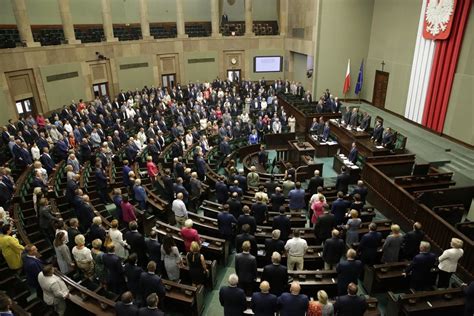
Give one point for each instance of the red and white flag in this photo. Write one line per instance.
(347, 80)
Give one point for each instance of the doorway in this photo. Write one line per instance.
(101, 89)
(380, 89)
(168, 80)
(233, 75)
(25, 107)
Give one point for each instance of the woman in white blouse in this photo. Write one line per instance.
(83, 257)
(448, 262)
(35, 152)
(116, 237)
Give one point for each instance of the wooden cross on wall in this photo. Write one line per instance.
(383, 64)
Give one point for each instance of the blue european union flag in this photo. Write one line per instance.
(360, 78)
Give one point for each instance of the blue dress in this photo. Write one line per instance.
(352, 234)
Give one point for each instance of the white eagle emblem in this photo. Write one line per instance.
(437, 14)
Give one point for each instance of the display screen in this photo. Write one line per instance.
(267, 64)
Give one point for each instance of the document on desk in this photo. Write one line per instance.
(379, 147)
(354, 167)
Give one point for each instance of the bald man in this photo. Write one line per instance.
(264, 303)
(293, 303)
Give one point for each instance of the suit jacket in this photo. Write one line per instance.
(368, 247)
(137, 245)
(122, 309)
(225, 222)
(233, 300)
(151, 283)
(324, 225)
(314, 183)
(259, 211)
(222, 192)
(365, 123)
(277, 200)
(32, 267)
(133, 274)
(353, 155)
(115, 275)
(333, 249)
(47, 162)
(100, 179)
(293, 305)
(347, 271)
(282, 222)
(153, 249)
(97, 232)
(297, 199)
(350, 305)
(235, 207)
(377, 133)
(342, 182)
(272, 245)
(239, 240)
(420, 268)
(247, 219)
(362, 191)
(411, 243)
(246, 267)
(277, 276)
(339, 208)
(264, 304)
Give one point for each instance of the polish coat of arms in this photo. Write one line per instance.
(438, 18)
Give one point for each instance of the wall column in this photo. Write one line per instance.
(145, 25)
(180, 20)
(283, 18)
(107, 22)
(66, 18)
(215, 17)
(248, 18)
(23, 23)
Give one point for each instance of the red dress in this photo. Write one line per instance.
(189, 235)
(318, 210)
(152, 169)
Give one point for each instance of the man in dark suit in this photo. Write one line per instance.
(259, 211)
(246, 236)
(388, 138)
(276, 275)
(332, 250)
(151, 309)
(350, 304)
(47, 161)
(377, 132)
(222, 191)
(233, 298)
(293, 303)
(32, 266)
(224, 146)
(348, 271)
(353, 154)
(136, 241)
(365, 122)
(201, 166)
(153, 247)
(235, 206)
(226, 223)
(114, 268)
(126, 307)
(101, 183)
(369, 244)
(246, 218)
(282, 223)
(168, 185)
(274, 244)
(411, 241)
(315, 182)
(264, 303)
(150, 282)
(277, 199)
(324, 225)
(361, 189)
(469, 293)
(246, 268)
(342, 180)
(339, 208)
(420, 268)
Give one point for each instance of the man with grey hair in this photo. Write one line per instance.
(276, 275)
(263, 302)
(419, 270)
(274, 244)
(151, 309)
(55, 291)
(233, 298)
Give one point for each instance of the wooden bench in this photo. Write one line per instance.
(185, 297)
(426, 303)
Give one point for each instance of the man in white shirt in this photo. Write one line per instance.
(179, 209)
(296, 248)
(55, 291)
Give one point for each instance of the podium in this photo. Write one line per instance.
(297, 150)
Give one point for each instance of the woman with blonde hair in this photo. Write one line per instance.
(448, 262)
(392, 245)
(352, 226)
(98, 256)
(321, 307)
(197, 264)
(83, 256)
(152, 169)
(115, 236)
